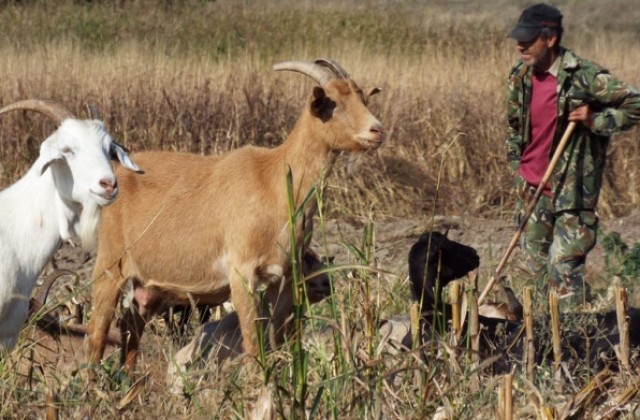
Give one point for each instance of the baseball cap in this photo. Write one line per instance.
(533, 19)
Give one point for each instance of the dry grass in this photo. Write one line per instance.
(195, 75)
(174, 87)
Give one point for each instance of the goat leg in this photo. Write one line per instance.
(106, 295)
(243, 299)
(146, 304)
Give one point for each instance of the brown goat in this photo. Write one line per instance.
(222, 340)
(212, 227)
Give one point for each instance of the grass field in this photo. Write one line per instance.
(196, 76)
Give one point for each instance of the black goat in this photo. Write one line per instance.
(434, 262)
(588, 339)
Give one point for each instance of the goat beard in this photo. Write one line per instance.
(87, 226)
(354, 161)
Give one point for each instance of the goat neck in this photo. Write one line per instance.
(32, 198)
(306, 154)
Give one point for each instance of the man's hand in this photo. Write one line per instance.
(581, 114)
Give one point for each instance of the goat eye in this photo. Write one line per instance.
(67, 150)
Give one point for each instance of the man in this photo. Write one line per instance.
(549, 87)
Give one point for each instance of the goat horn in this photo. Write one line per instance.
(52, 109)
(334, 66)
(36, 303)
(113, 337)
(43, 291)
(92, 111)
(50, 325)
(321, 75)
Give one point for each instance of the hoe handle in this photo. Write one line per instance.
(532, 205)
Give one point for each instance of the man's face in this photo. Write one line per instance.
(539, 52)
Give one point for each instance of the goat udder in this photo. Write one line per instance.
(146, 297)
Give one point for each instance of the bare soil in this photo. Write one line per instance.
(392, 240)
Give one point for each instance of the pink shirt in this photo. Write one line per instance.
(535, 159)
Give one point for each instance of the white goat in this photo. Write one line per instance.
(61, 195)
(214, 227)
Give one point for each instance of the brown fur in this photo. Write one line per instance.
(217, 227)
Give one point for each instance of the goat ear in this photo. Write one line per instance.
(374, 91)
(322, 106)
(120, 153)
(49, 153)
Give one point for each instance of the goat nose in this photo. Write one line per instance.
(377, 130)
(109, 185)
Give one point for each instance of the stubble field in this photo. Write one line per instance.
(196, 76)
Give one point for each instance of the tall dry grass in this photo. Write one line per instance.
(195, 75)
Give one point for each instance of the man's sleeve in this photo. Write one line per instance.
(618, 105)
(514, 122)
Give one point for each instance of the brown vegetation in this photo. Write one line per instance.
(442, 77)
(194, 75)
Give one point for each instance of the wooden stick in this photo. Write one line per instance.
(623, 327)
(532, 205)
(51, 405)
(529, 350)
(455, 296)
(591, 395)
(474, 331)
(501, 405)
(555, 331)
(508, 398)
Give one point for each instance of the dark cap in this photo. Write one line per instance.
(533, 19)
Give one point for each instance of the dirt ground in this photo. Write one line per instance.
(393, 238)
(490, 237)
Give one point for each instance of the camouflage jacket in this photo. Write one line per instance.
(577, 178)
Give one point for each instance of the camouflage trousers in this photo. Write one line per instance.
(556, 244)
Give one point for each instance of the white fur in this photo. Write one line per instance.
(60, 197)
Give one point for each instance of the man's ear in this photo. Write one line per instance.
(49, 152)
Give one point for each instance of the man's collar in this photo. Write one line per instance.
(555, 67)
